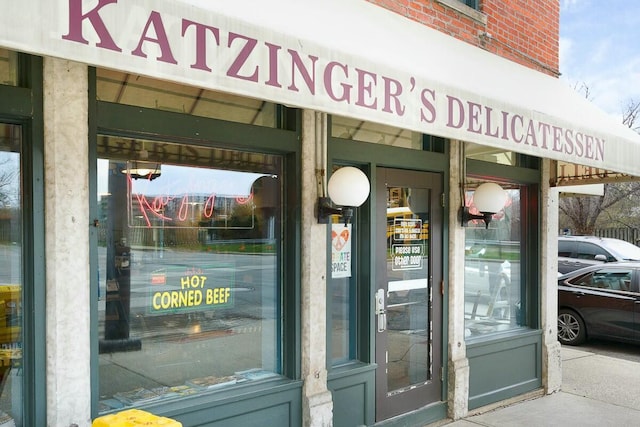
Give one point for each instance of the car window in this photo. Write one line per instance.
(589, 251)
(617, 279)
(565, 248)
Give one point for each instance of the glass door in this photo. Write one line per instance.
(408, 300)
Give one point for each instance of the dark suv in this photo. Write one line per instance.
(575, 252)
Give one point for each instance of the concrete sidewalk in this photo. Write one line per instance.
(596, 391)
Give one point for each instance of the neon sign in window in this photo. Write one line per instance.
(167, 196)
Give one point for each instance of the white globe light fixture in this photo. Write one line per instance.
(348, 188)
(489, 198)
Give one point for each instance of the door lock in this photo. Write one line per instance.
(381, 310)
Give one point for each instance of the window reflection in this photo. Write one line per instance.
(188, 270)
(342, 287)
(492, 281)
(8, 67)
(490, 154)
(11, 278)
(408, 311)
(360, 130)
(141, 91)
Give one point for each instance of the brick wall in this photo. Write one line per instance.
(524, 31)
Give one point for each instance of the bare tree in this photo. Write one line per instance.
(8, 176)
(583, 88)
(583, 214)
(630, 115)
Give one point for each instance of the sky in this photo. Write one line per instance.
(600, 49)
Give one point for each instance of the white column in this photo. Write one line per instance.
(458, 364)
(551, 349)
(67, 243)
(317, 405)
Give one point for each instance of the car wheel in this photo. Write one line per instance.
(571, 329)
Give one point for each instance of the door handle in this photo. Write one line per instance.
(382, 322)
(381, 310)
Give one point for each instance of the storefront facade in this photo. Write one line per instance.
(161, 175)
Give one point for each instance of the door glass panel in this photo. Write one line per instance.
(188, 265)
(11, 278)
(408, 317)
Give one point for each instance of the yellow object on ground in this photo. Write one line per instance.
(134, 418)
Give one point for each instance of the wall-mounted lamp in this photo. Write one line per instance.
(489, 199)
(348, 188)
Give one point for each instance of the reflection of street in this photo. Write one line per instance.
(173, 359)
(492, 295)
(407, 324)
(196, 340)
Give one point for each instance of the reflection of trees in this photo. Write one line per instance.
(8, 182)
(242, 224)
(9, 209)
(9, 225)
(617, 207)
(505, 226)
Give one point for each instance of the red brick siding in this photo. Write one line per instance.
(524, 31)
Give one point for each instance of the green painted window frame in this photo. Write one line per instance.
(123, 120)
(24, 106)
(528, 175)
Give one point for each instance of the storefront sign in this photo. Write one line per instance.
(407, 257)
(407, 229)
(197, 289)
(408, 250)
(313, 57)
(340, 250)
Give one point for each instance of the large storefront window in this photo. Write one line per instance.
(11, 277)
(189, 255)
(492, 285)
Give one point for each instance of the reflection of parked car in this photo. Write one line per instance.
(575, 252)
(599, 301)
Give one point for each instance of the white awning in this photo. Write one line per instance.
(344, 57)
